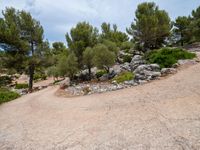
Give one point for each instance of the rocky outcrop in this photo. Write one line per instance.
(136, 61)
(147, 72)
(65, 83)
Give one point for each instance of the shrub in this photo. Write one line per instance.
(124, 76)
(127, 58)
(127, 45)
(6, 95)
(5, 80)
(101, 73)
(39, 76)
(166, 57)
(21, 86)
(103, 58)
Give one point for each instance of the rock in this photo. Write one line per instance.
(147, 72)
(117, 69)
(142, 81)
(166, 71)
(136, 58)
(140, 77)
(105, 77)
(65, 83)
(136, 61)
(122, 53)
(176, 65)
(155, 67)
(114, 82)
(125, 67)
(131, 82)
(187, 62)
(111, 75)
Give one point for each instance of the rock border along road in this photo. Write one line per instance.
(162, 115)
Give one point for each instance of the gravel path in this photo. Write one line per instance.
(162, 115)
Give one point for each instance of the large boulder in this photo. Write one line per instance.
(125, 67)
(65, 83)
(147, 72)
(136, 61)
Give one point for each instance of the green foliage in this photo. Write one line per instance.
(151, 27)
(68, 66)
(195, 24)
(53, 72)
(62, 66)
(113, 35)
(101, 73)
(5, 80)
(88, 56)
(111, 46)
(39, 76)
(59, 48)
(6, 95)
(127, 45)
(166, 57)
(72, 65)
(124, 76)
(21, 86)
(182, 29)
(103, 58)
(127, 58)
(82, 36)
(21, 38)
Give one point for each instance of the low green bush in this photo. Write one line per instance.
(6, 95)
(5, 80)
(127, 58)
(166, 57)
(21, 86)
(39, 76)
(100, 73)
(124, 76)
(127, 45)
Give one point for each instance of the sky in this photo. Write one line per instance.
(59, 16)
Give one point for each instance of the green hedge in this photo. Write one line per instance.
(124, 76)
(166, 57)
(21, 86)
(6, 95)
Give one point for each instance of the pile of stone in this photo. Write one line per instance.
(138, 66)
(91, 88)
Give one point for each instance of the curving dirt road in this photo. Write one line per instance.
(162, 115)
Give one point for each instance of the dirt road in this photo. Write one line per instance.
(162, 115)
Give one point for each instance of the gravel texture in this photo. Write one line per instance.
(161, 115)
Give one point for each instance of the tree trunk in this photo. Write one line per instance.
(31, 69)
(182, 43)
(89, 70)
(107, 69)
(31, 74)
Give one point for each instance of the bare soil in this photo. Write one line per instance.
(162, 115)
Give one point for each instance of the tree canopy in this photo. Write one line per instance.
(80, 37)
(151, 27)
(21, 37)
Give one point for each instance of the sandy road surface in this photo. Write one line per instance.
(162, 115)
